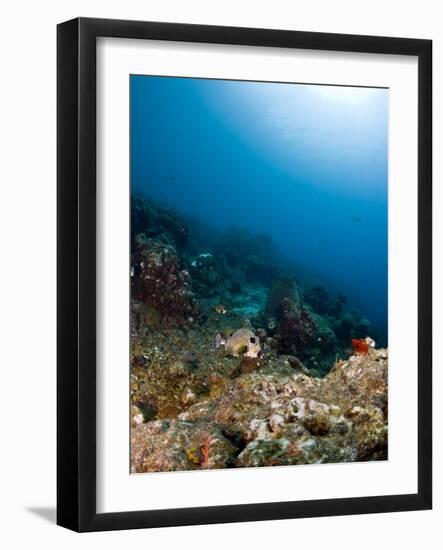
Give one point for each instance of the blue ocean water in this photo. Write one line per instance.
(305, 163)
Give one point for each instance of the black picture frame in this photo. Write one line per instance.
(76, 265)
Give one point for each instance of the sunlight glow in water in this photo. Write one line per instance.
(307, 164)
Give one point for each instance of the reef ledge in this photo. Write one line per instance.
(271, 417)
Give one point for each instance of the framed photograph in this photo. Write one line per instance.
(244, 274)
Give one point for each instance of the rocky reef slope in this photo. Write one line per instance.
(271, 417)
(235, 364)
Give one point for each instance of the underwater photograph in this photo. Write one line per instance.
(258, 274)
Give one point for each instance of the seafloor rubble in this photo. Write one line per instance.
(234, 364)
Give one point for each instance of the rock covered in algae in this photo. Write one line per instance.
(154, 221)
(184, 397)
(160, 285)
(169, 445)
(302, 420)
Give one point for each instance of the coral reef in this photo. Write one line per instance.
(322, 303)
(283, 289)
(206, 275)
(235, 364)
(252, 254)
(270, 418)
(296, 329)
(160, 284)
(153, 221)
(168, 445)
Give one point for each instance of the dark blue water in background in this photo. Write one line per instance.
(305, 163)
